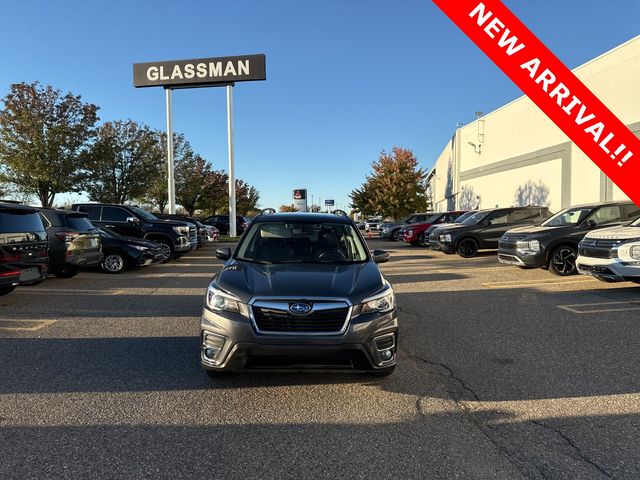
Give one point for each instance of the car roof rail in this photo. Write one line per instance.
(340, 213)
(268, 211)
(12, 202)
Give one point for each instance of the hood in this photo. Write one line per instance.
(123, 241)
(247, 280)
(173, 223)
(454, 227)
(615, 233)
(531, 230)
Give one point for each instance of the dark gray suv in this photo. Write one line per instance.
(300, 291)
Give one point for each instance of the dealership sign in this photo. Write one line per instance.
(300, 199)
(200, 72)
(552, 87)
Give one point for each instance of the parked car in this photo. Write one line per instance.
(122, 252)
(301, 290)
(554, 244)
(414, 234)
(424, 239)
(207, 234)
(73, 242)
(611, 254)
(175, 237)
(482, 230)
(391, 231)
(373, 225)
(221, 222)
(24, 248)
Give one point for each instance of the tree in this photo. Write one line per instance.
(315, 208)
(216, 192)
(247, 197)
(288, 208)
(120, 162)
(395, 188)
(43, 135)
(192, 174)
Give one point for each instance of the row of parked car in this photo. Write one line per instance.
(35, 242)
(599, 239)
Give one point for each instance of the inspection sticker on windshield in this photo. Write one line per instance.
(552, 87)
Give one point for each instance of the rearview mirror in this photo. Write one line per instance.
(134, 220)
(223, 253)
(380, 256)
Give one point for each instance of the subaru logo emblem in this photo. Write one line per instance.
(300, 308)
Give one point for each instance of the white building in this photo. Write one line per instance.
(516, 155)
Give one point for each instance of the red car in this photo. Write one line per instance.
(414, 233)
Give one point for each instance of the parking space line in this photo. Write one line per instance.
(540, 283)
(24, 325)
(601, 307)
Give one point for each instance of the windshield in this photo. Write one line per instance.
(464, 216)
(475, 218)
(143, 214)
(569, 216)
(301, 242)
(431, 218)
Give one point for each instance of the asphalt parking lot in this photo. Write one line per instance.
(503, 373)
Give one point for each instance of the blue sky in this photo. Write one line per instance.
(345, 79)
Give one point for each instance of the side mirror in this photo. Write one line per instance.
(133, 220)
(591, 224)
(380, 256)
(223, 253)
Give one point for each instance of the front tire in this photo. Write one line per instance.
(395, 235)
(422, 240)
(468, 248)
(563, 261)
(113, 262)
(7, 290)
(167, 250)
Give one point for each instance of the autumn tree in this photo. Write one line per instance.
(215, 198)
(247, 197)
(120, 162)
(288, 208)
(192, 175)
(43, 135)
(395, 188)
(156, 192)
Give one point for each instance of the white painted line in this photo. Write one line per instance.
(601, 307)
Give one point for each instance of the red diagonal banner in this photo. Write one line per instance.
(552, 87)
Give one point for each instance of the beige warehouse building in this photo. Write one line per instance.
(516, 155)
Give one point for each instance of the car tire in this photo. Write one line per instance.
(167, 249)
(65, 272)
(468, 248)
(113, 262)
(415, 243)
(383, 372)
(562, 261)
(395, 235)
(7, 290)
(422, 242)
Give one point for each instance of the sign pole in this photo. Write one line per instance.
(232, 180)
(171, 181)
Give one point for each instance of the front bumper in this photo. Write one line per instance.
(84, 260)
(240, 347)
(511, 256)
(608, 269)
(443, 247)
(183, 244)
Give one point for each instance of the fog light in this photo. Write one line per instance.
(386, 355)
(210, 353)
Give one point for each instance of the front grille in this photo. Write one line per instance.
(269, 319)
(599, 242)
(595, 252)
(193, 233)
(513, 236)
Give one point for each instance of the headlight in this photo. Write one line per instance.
(381, 303)
(445, 238)
(629, 251)
(220, 301)
(528, 246)
(142, 249)
(408, 233)
(182, 230)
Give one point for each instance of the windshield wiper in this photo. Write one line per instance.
(255, 260)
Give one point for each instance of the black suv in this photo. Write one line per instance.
(175, 237)
(483, 230)
(554, 244)
(73, 242)
(221, 222)
(24, 249)
(300, 291)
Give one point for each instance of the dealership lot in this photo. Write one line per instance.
(503, 373)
